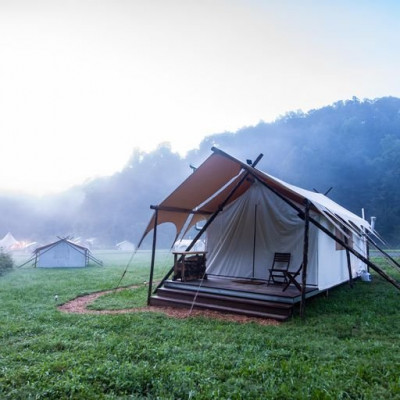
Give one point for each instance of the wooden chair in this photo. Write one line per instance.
(279, 268)
(291, 278)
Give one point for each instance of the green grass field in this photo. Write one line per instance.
(346, 348)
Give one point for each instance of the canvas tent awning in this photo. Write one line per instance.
(203, 192)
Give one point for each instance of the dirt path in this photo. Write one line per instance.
(80, 303)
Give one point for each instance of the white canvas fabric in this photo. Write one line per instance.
(334, 212)
(61, 254)
(242, 240)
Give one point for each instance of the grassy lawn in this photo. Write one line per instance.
(346, 348)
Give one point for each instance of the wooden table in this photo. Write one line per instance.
(189, 265)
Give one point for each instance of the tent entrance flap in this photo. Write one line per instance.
(243, 239)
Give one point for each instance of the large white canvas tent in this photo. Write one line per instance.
(250, 215)
(63, 253)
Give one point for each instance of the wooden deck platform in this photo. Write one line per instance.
(233, 295)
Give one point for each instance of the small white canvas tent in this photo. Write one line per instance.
(125, 245)
(62, 253)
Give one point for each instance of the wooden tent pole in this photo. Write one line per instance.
(153, 255)
(349, 268)
(349, 263)
(305, 258)
(254, 239)
(213, 216)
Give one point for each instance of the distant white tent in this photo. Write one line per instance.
(31, 246)
(8, 242)
(125, 245)
(63, 253)
(183, 244)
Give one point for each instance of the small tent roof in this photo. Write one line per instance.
(40, 249)
(202, 193)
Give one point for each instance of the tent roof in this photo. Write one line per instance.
(77, 246)
(203, 192)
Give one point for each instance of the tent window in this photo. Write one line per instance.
(342, 237)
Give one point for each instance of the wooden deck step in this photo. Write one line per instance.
(257, 308)
(218, 299)
(167, 302)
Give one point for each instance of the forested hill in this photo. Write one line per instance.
(350, 146)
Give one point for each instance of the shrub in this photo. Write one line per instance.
(6, 263)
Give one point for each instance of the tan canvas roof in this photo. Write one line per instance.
(202, 193)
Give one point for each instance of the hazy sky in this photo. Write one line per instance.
(84, 82)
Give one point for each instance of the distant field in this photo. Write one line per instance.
(346, 348)
(111, 257)
(395, 253)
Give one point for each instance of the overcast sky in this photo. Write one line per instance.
(83, 83)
